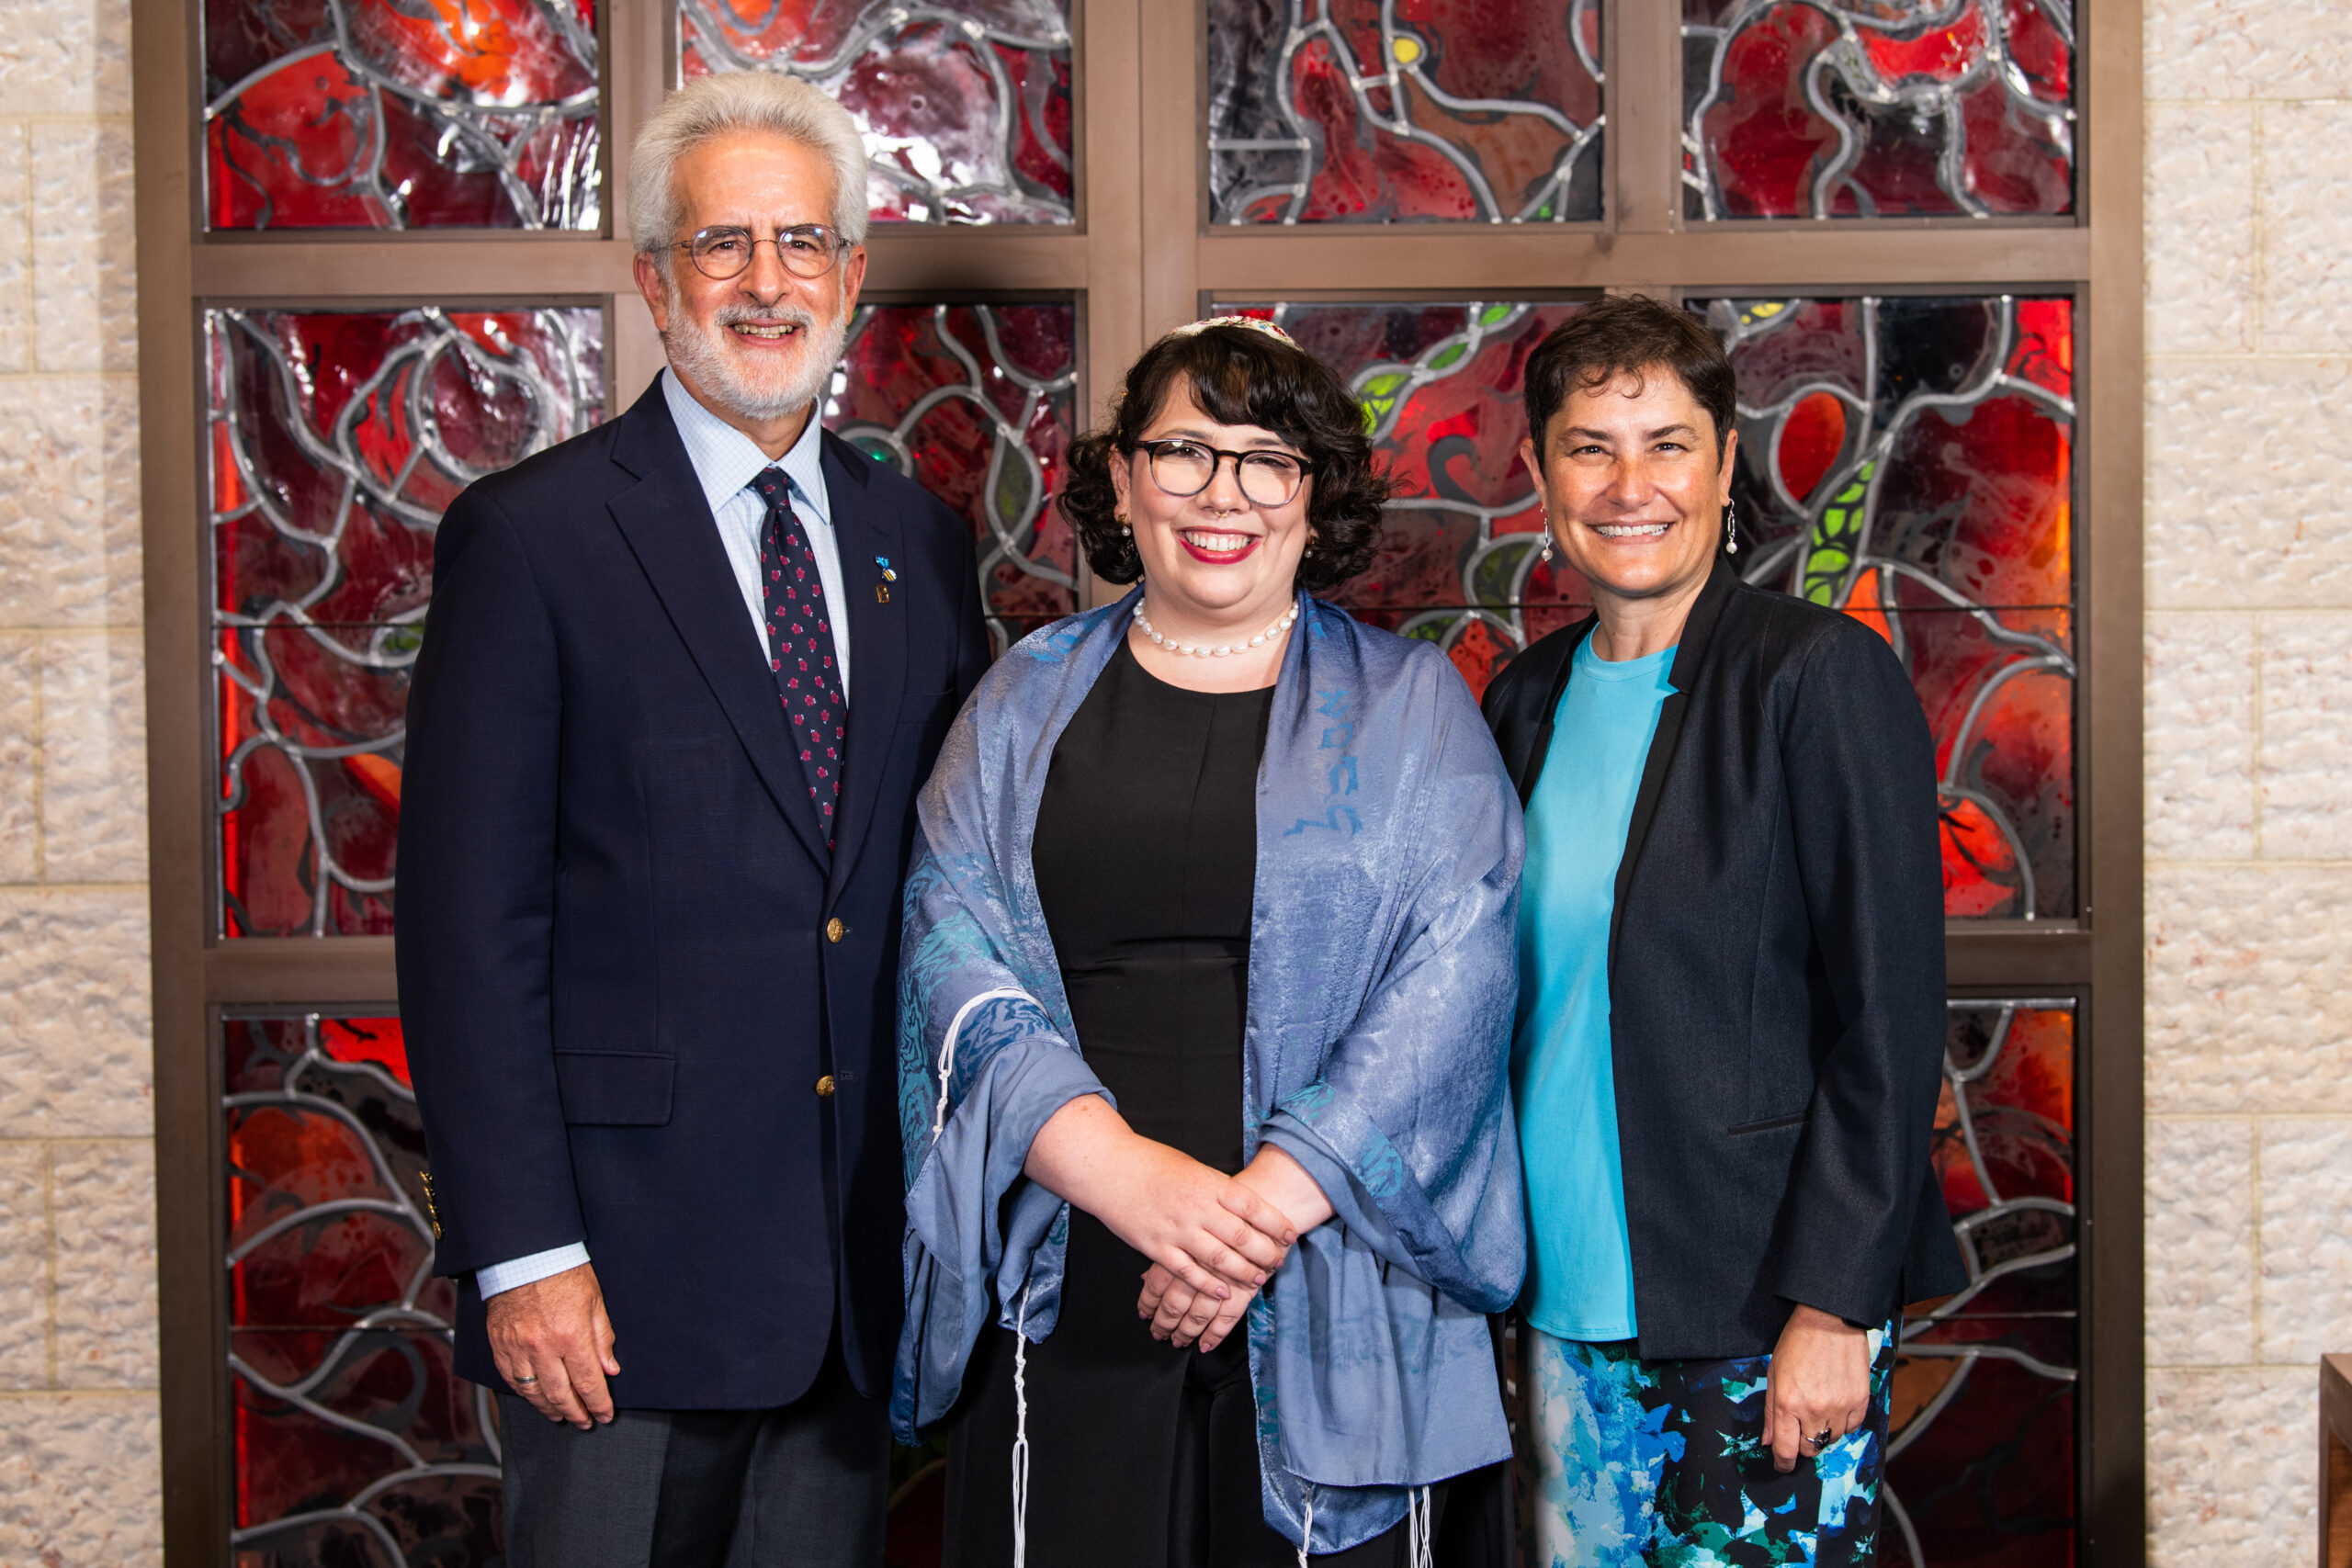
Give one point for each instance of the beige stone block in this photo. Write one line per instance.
(74, 1018)
(16, 247)
(2306, 226)
(2306, 1250)
(64, 57)
(2306, 736)
(2229, 1468)
(103, 1207)
(2249, 999)
(2200, 1207)
(2228, 48)
(85, 275)
(94, 757)
(2199, 707)
(2221, 432)
(68, 502)
(81, 1480)
(24, 1266)
(19, 771)
(2199, 225)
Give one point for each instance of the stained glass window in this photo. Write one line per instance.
(339, 439)
(354, 1440)
(1372, 111)
(1878, 109)
(1980, 1458)
(966, 105)
(975, 402)
(336, 441)
(1910, 460)
(1440, 384)
(376, 114)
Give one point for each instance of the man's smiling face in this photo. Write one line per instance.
(761, 345)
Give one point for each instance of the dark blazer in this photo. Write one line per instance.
(1776, 973)
(625, 960)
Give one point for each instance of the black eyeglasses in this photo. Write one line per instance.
(1187, 467)
(806, 249)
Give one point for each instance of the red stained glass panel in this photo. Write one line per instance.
(336, 441)
(1980, 1458)
(1353, 111)
(976, 403)
(360, 1445)
(1458, 562)
(376, 114)
(352, 1432)
(1911, 461)
(1882, 109)
(966, 105)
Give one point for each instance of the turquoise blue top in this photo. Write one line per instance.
(1579, 1262)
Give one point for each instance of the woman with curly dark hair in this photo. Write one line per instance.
(1207, 987)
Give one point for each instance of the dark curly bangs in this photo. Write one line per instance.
(1239, 376)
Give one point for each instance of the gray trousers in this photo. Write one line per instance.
(800, 1486)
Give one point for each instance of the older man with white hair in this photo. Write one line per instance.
(651, 848)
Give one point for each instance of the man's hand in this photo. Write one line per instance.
(553, 1345)
(1820, 1382)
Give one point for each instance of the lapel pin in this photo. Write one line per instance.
(882, 589)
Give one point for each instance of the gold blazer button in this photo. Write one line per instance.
(825, 1086)
(834, 929)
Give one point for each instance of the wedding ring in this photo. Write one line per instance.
(522, 1380)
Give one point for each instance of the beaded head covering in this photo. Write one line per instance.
(1253, 323)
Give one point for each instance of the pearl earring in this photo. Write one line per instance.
(1731, 528)
(1547, 538)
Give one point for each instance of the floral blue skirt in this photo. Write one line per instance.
(1664, 1464)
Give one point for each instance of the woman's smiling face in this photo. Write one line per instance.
(1216, 558)
(1636, 479)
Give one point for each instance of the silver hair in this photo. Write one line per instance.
(747, 100)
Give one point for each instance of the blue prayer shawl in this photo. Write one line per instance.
(1381, 984)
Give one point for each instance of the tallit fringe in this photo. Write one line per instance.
(947, 1047)
(1021, 1434)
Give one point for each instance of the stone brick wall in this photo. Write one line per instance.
(2249, 772)
(78, 1429)
(2249, 780)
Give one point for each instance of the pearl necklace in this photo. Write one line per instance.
(1271, 634)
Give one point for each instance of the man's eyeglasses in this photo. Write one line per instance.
(1187, 467)
(806, 249)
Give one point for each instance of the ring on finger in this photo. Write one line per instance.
(524, 1380)
(1824, 1437)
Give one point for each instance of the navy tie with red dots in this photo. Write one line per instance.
(800, 646)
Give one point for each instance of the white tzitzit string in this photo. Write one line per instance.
(1021, 1434)
(1307, 1535)
(1021, 1318)
(1416, 1528)
(947, 1047)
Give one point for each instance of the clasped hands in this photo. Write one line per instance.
(1214, 1240)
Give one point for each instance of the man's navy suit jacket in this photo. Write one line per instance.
(619, 971)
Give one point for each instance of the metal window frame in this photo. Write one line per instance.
(1139, 267)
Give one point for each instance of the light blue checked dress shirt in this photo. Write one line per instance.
(726, 461)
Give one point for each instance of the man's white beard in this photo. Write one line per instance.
(715, 367)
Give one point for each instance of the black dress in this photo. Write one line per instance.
(1141, 1454)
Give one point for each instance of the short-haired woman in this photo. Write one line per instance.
(1206, 1003)
(1730, 1017)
